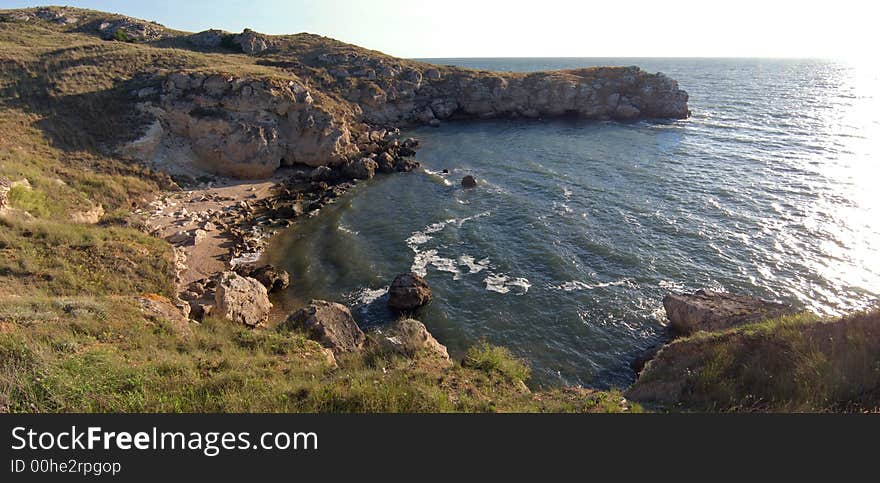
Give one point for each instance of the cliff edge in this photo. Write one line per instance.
(245, 104)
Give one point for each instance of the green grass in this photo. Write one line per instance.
(99, 354)
(495, 359)
(792, 364)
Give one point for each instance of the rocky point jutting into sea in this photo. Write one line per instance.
(330, 106)
(145, 172)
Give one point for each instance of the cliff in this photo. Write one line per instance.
(244, 104)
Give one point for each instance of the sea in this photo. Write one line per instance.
(577, 229)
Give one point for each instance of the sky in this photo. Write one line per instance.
(543, 28)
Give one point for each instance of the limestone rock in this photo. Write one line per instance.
(406, 165)
(5, 186)
(90, 216)
(208, 38)
(328, 323)
(408, 292)
(131, 30)
(271, 277)
(714, 311)
(249, 127)
(409, 337)
(321, 173)
(252, 42)
(363, 168)
(243, 300)
(158, 308)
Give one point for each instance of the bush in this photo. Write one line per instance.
(490, 358)
(228, 42)
(121, 36)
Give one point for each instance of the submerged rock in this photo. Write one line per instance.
(241, 299)
(408, 292)
(328, 323)
(713, 311)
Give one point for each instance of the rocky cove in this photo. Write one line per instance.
(252, 134)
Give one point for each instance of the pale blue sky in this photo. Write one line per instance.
(543, 28)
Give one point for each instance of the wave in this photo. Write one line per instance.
(503, 284)
(577, 285)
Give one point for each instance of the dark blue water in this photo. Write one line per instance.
(578, 229)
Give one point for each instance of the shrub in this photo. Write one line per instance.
(121, 36)
(228, 42)
(490, 358)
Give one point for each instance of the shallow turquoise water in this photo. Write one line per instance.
(578, 229)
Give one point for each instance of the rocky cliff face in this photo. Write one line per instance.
(248, 127)
(423, 96)
(242, 105)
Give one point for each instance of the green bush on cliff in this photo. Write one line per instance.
(121, 36)
(495, 359)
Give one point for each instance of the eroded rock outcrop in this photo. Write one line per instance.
(311, 100)
(621, 93)
(249, 127)
(712, 311)
(328, 323)
(130, 30)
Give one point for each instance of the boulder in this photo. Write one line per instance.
(409, 337)
(468, 182)
(363, 168)
(243, 300)
(272, 278)
(207, 38)
(406, 165)
(408, 292)
(89, 217)
(321, 173)
(385, 162)
(252, 42)
(157, 308)
(328, 323)
(5, 186)
(714, 311)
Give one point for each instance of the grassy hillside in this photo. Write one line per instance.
(73, 336)
(792, 364)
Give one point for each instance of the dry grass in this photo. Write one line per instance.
(797, 363)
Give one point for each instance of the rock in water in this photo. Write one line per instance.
(241, 299)
(714, 311)
(364, 168)
(271, 277)
(409, 337)
(408, 292)
(328, 323)
(468, 182)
